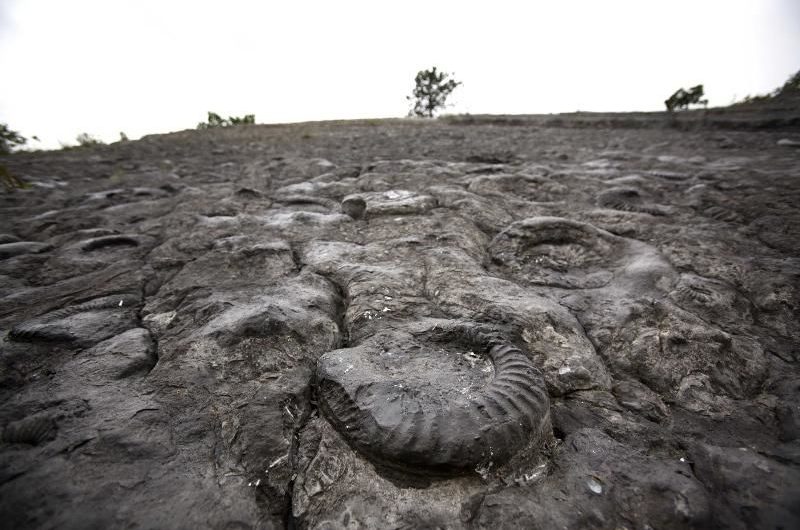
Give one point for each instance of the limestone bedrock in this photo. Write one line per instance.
(458, 323)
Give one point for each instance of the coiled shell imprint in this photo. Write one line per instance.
(558, 252)
(446, 404)
(83, 324)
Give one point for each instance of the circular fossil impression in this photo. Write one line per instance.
(109, 242)
(710, 299)
(441, 402)
(628, 199)
(82, 324)
(557, 252)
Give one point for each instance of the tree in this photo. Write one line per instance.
(9, 139)
(431, 89)
(681, 99)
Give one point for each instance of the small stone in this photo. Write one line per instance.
(594, 485)
(354, 206)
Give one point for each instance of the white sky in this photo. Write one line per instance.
(142, 66)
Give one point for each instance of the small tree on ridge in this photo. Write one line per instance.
(431, 89)
(681, 99)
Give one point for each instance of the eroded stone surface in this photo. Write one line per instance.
(450, 324)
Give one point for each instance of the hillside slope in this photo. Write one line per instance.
(464, 323)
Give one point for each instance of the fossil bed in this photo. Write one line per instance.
(461, 323)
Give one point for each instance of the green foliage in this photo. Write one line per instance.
(681, 99)
(215, 120)
(247, 119)
(431, 89)
(85, 139)
(9, 140)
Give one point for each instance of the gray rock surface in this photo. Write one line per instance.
(450, 324)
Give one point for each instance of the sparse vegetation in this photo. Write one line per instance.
(11, 182)
(86, 139)
(790, 87)
(682, 98)
(10, 139)
(431, 90)
(215, 120)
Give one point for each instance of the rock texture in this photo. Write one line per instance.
(465, 323)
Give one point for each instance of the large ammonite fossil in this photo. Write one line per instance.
(453, 398)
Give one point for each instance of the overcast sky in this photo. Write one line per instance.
(105, 66)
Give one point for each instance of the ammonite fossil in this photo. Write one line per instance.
(446, 401)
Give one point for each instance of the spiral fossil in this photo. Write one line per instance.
(721, 213)
(32, 430)
(557, 252)
(60, 325)
(627, 199)
(714, 299)
(383, 409)
(116, 240)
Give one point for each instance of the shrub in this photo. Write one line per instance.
(215, 120)
(431, 89)
(791, 85)
(9, 139)
(86, 139)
